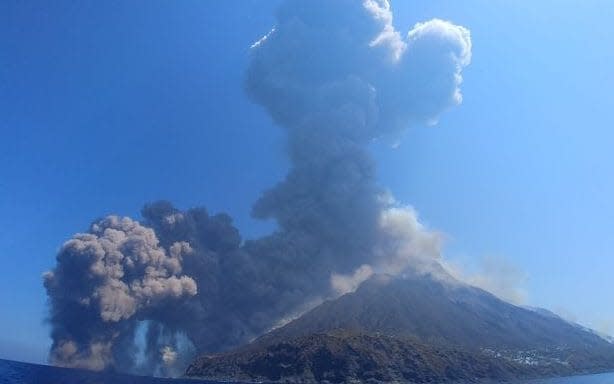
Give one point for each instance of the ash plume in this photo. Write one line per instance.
(334, 75)
(105, 278)
(496, 275)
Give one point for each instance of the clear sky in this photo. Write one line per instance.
(105, 106)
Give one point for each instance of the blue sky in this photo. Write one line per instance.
(105, 106)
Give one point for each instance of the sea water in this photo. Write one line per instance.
(22, 373)
(606, 378)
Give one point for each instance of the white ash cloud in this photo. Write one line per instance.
(404, 243)
(334, 75)
(342, 284)
(496, 275)
(169, 355)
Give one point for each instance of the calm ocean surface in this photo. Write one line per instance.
(22, 373)
(606, 378)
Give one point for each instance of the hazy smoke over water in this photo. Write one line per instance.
(335, 75)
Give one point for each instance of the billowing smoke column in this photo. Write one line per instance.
(335, 75)
(105, 278)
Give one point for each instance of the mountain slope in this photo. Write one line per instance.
(440, 311)
(351, 357)
(414, 329)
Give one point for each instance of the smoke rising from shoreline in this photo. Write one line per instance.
(334, 76)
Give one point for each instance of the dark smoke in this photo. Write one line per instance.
(335, 75)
